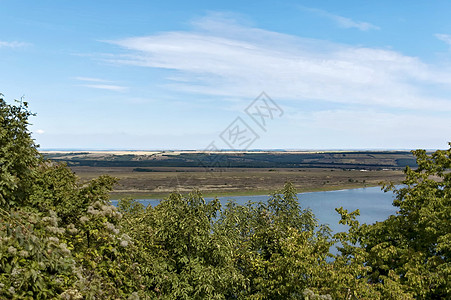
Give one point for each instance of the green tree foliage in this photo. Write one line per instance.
(18, 154)
(275, 245)
(413, 247)
(62, 238)
(35, 261)
(58, 235)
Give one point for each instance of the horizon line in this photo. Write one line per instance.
(227, 150)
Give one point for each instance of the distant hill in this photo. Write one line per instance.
(370, 160)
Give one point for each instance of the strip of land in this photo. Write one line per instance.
(155, 174)
(234, 182)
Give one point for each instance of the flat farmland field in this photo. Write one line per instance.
(155, 174)
(160, 181)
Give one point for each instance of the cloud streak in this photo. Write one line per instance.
(101, 84)
(109, 87)
(342, 21)
(446, 38)
(224, 58)
(91, 79)
(13, 45)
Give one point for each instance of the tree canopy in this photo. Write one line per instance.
(62, 238)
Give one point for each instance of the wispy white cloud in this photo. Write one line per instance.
(109, 87)
(342, 21)
(101, 84)
(91, 79)
(444, 38)
(14, 44)
(224, 58)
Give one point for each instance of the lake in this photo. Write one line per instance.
(374, 204)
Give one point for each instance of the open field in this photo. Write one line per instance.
(155, 174)
(227, 182)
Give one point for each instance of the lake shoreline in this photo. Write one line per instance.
(259, 192)
(374, 204)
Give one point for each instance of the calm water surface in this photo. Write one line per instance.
(373, 203)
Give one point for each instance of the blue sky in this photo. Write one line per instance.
(176, 74)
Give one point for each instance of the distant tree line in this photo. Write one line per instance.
(369, 160)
